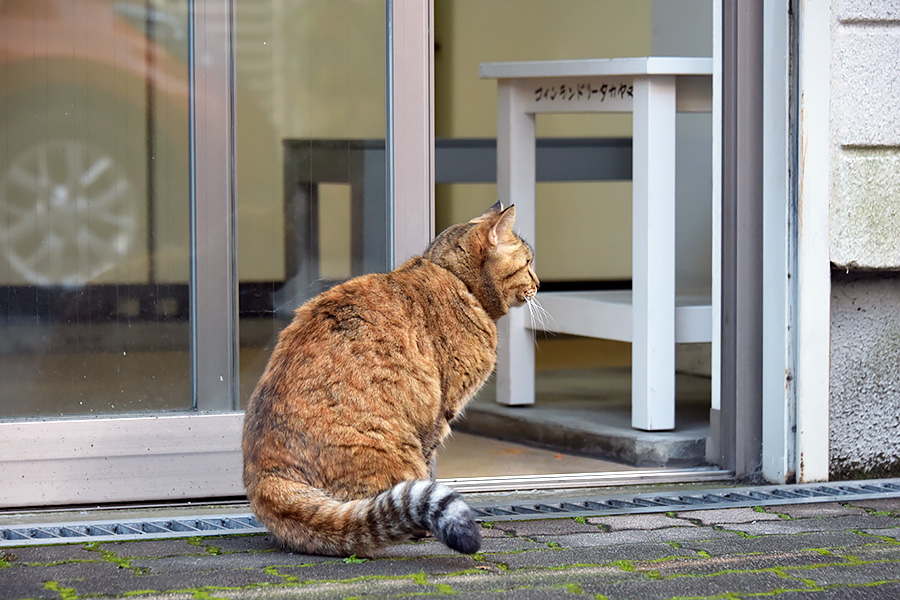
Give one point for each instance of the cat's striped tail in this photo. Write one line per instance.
(309, 520)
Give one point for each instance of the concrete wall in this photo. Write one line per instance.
(865, 243)
(865, 378)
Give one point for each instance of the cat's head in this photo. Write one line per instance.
(488, 256)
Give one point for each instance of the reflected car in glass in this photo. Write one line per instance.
(94, 152)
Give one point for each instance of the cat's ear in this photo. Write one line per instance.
(490, 213)
(502, 229)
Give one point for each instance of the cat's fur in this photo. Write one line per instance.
(361, 389)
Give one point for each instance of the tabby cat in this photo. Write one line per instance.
(360, 391)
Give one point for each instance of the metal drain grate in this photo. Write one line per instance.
(129, 529)
(703, 500)
(134, 529)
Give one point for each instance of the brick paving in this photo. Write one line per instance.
(829, 550)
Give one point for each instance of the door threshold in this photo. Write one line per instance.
(586, 480)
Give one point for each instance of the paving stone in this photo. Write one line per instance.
(49, 554)
(892, 533)
(150, 548)
(641, 521)
(419, 549)
(112, 581)
(545, 527)
(878, 591)
(537, 593)
(870, 553)
(16, 584)
(846, 523)
(651, 562)
(509, 544)
(186, 564)
(258, 561)
(260, 542)
(890, 505)
(438, 565)
(687, 587)
(780, 543)
(589, 556)
(790, 563)
(817, 510)
(547, 579)
(727, 515)
(88, 578)
(856, 574)
(671, 534)
(492, 530)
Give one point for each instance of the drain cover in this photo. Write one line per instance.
(705, 500)
(128, 529)
(133, 529)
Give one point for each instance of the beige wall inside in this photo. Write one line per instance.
(584, 228)
(316, 69)
(311, 69)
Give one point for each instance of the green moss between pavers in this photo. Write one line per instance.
(64, 592)
(765, 510)
(739, 533)
(352, 559)
(625, 565)
(572, 588)
(111, 557)
(198, 541)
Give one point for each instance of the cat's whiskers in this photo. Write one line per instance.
(540, 318)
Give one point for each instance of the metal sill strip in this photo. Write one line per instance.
(579, 480)
(194, 526)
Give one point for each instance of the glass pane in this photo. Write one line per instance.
(311, 160)
(583, 233)
(93, 208)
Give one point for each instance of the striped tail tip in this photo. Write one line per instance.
(452, 521)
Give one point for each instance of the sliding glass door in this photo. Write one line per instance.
(176, 177)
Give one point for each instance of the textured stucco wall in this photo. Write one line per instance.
(865, 111)
(865, 239)
(865, 376)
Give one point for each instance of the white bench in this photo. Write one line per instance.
(649, 316)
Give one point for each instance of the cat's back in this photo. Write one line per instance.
(406, 315)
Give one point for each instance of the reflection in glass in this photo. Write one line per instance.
(311, 163)
(93, 208)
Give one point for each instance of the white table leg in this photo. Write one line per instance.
(515, 185)
(653, 259)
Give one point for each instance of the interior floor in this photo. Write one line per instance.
(469, 455)
(580, 422)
